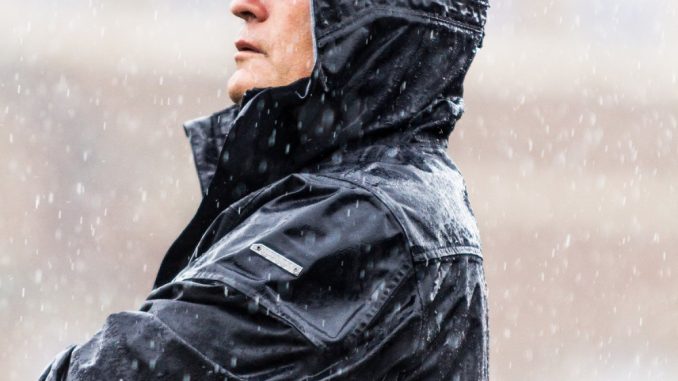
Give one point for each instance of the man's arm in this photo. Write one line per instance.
(187, 331)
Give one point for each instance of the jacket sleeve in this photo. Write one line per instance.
(290, 291)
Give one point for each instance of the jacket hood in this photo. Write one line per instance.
(383, 68)
(386, 71)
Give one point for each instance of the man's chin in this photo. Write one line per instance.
(236, 91)
(236, 96)
(239, 82)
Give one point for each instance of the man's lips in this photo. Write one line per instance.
(247, 46)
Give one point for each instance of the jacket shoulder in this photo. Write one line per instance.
(426, 193)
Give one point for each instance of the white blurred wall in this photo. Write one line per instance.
(568, 146)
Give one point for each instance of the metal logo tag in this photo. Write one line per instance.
(276, 258)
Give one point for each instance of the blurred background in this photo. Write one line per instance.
(569, 146)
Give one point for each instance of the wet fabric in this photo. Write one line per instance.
(335, 239)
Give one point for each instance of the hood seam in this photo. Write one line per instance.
(377, 11)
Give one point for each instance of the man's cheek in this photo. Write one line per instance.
(261, 70)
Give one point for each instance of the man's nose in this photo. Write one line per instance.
(250, 10)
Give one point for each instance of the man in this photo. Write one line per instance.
(334, 239)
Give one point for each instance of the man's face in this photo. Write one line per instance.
(275, 45)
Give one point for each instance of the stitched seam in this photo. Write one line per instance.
(450, 246)
(395, 285)
(454, 251)
(380, 10)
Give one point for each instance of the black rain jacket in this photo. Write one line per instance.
(334, 240)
